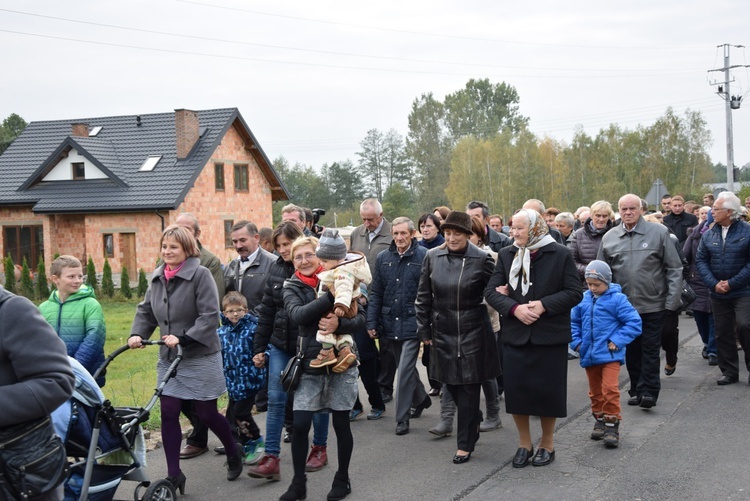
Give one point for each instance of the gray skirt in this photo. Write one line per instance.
(198, 378)
(335, 392)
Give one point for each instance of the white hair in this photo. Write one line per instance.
(373, 204)
(731, 202)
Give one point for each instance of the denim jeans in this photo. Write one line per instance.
(705, 323)
(277, 360)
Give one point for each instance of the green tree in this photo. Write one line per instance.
(42, 285)
(372, 163)
(108, 286)
(483, 109)
(27, 284)
(344, 184)
(10, 129)
(91, 275)
(305, 186)
(125, 289)
(10, 274)
(142, 283)
(398, 201)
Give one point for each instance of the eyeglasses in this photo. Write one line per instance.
(235, 312)
(718, 209)
(309, 257)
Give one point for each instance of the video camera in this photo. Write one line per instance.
(316, 228)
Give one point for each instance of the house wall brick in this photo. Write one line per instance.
(186, 131)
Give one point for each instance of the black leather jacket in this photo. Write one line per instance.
(274, 326)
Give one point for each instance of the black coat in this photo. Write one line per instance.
(274, 326)
(554, 282)
(305, 310)
(680, 224)
(451, 314)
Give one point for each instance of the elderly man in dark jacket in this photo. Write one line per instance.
(723, 262)
(391, 315)
(35, 374)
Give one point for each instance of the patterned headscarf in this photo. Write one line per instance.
(538, 238)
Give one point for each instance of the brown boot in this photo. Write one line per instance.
(346, 359)
(611, 432)
(325, 358)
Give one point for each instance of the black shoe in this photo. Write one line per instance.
(725, 380)
(668, 371)
(402, 428)
(704, 353)
(417, 411)
(178, 483)
(234, 465)
(543, 457)
(713, 360)
(634, 400)
(461, 459)
(341, 487)
(220, 450)
(386, 398)
(647, 401)
(287, 436)
(434, 392)
(297, 489)
(522, 457)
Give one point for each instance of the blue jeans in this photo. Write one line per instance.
(277, 360)
(705, 323)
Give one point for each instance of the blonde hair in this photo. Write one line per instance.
(62, 262)
(602, 206)
(303, 241)
(183, 237)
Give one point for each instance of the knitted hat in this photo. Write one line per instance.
(599, 270)
(459, 221)
(331, 245)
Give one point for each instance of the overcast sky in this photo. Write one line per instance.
(311, 78)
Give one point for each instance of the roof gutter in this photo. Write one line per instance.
(162, 219)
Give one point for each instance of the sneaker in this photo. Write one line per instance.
(288, 436)
(375, 414)
(325, 358)
(345, 359)
(253, 450)
(355, 413)
(712, 359)
(267, 468)
(317, 459)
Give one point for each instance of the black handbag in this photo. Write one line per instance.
(688, 295)
(293, 371)
(32, 459)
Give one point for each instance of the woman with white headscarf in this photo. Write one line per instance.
(534, 287)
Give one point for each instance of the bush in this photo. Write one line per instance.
(125, 283)
(91, 275)
(108, 286)
(42, 286)
(10, 274)
(142, 283)
(27, 284)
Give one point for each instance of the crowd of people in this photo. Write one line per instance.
(491, 308)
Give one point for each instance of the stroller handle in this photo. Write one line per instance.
(123, 349)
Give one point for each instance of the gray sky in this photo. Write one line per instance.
(311, 78)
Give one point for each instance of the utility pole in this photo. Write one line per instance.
(732, 103)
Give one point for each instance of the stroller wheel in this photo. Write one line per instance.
(161, 490)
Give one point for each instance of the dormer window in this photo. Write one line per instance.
(150, 163)
(78, 171)
(93, 132)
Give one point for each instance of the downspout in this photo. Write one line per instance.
(162, 219)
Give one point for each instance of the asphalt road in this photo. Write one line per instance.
(692, 445)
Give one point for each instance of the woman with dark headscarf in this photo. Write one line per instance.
(534, 287)
(453, 323)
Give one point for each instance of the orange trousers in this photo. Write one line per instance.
(604, 388)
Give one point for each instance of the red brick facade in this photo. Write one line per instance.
(139, 233)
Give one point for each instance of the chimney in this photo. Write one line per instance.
(79, 130)
(186, 131)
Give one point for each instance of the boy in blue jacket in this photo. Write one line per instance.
(602, 325)
(244, 380)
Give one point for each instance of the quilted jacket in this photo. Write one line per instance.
(244, 380)
(718, 260)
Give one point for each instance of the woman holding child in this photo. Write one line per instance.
(534, 287)
(182, 300)
(321, 388)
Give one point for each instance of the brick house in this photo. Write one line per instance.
(105, 187)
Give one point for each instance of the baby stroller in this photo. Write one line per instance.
(105, 442)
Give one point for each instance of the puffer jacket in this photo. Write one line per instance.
(690, 250)
(394, 288)
(585, 245)
(646, 264)
(305, 309)
(726, 260)
(451, 314)
(597, 321)
(244, 380)
(79, 322)
(274, 326)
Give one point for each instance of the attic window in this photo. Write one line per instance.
(95, 131)
(150, 163)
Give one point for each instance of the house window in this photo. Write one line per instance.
(219, 174)
(109, 245)
(228, 223)
(240, 177)
(79, 171)
(24, 242)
